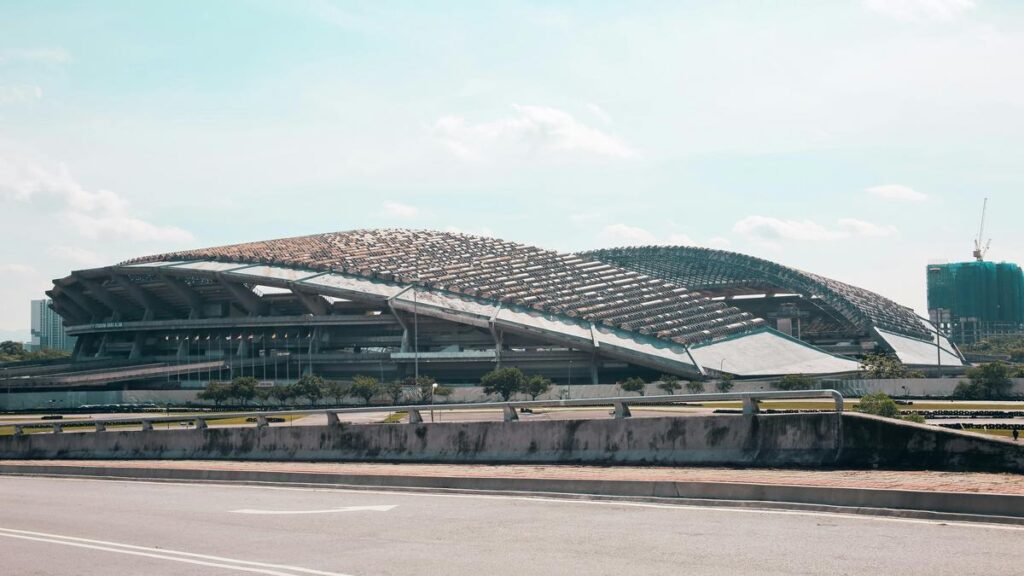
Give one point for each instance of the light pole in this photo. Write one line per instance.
(416, 342)
(568, 383)
(433, 387)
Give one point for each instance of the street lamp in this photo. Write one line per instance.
(433, 388)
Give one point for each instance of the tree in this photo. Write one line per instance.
(215, 391)
(395, 390)
(336, 390)
(282, 394)
(12, 348)
(262, 395)
(243, 388)
(795, 382)
(669, 383)
(504, 381)
(695, 387)
(310, 387)
(444, 391)
(424, 385)
(365, 387)
(986, 382)
(537, 385)
(880, 404)
(882, 365)
(633, 384)
(724, 383)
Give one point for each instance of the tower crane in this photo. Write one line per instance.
(979, 249)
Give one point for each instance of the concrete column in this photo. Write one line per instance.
(261, 421)
(415, 417)
(147, 425)
(201, 424)
(622, 410)
(750, 406)
(593, 370)
(332, 419)
(101, 427)
(509, 413)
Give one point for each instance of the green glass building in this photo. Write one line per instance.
(971, 301)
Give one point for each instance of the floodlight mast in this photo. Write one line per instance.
(979, 250)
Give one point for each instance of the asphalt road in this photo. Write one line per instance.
(85, 527)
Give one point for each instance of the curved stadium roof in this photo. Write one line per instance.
(733, 273)
(564, 299)
(501, 271)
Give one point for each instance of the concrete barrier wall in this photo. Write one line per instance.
(804, 440)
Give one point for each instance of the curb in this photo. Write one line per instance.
(939, 506)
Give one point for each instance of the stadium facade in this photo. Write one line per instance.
(386, 302)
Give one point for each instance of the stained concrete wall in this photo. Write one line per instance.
(805, 440)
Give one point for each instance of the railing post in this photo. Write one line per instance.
(750, 406)
(839, 400)
(201, 424)
(261, 421)
(147, 425)
(58, 428)
(622, 410)
(509, 413)
(332, 419)
(415, 417)
(101, 427)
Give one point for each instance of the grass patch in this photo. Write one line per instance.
(394, 418)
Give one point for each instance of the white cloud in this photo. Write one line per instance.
(399, 210)
(600, 113)
(774, 229)
(19, 94)
(90, 214)
(532, 130)
(921, 9)
(36, 55)
(680, 240)
(861, 228)
(482, 231)
(17, 269)
(768, 228)
(624, 234)
(76, 255)
(896, 192)
(719, 242)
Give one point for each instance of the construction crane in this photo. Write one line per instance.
(979, 249)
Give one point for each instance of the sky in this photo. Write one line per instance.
(851, 138)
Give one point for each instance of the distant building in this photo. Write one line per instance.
(971, 301)
(48, 329)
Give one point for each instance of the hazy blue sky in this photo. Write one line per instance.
(853, 138)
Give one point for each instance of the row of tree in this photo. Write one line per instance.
(313, 389)
(671, 384)
(11, 351)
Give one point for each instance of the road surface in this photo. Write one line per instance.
(102, 527)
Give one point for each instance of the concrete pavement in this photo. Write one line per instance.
(94, 527)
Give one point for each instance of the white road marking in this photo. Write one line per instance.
(580, 499)
(327, 511)
(164, 554)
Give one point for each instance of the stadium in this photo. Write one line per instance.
(389, 303)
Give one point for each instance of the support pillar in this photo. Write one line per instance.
(622, 410)
(509, 413)
(415, 417)
(750, 406)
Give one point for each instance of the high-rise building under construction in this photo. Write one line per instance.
(971, 301)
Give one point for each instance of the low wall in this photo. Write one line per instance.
(789, 440)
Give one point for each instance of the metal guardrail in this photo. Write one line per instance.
(620, 404)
